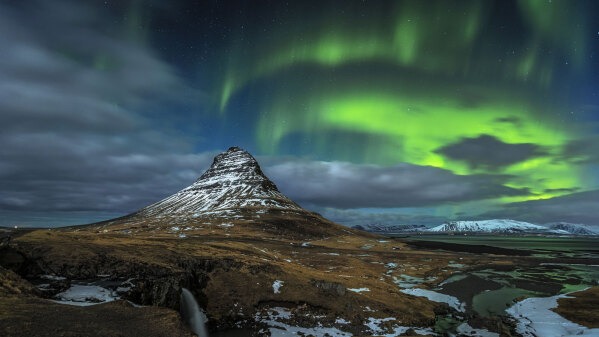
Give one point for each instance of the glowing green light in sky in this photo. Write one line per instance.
(552, 22)
(401, 118)
(419, 35)
(434, 37)
(415, 127)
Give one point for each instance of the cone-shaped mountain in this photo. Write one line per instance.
(233, 191)
(233, 182)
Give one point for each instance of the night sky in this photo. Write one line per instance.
(365, 111)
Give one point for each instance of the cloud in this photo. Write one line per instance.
(489, 152)
(75, 181)
(352, 217)
(581, 151)
(68, 70)
(578, 207)
(346, 185)
(75, 96)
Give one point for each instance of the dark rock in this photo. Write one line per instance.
(329, 288)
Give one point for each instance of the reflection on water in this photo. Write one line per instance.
(489, 292)
(494, 302)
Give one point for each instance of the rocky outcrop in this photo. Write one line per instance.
(329, 288)
(12, 284)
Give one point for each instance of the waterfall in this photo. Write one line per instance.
(192, 314)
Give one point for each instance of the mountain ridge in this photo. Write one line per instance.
(502, 226)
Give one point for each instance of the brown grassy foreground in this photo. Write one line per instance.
(582, 308)
(229, 269)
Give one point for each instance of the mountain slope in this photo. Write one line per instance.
(570, 228)
(232, 195)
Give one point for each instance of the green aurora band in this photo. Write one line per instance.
(416, 34)
(411, 120)
(413, 129)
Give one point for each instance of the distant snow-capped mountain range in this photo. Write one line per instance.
(504, 226)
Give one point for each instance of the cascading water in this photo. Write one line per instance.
(192, 314)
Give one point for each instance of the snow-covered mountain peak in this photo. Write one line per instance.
(233, 182)
(233, 196)
(234, 167)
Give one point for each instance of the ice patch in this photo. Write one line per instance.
(82, 295)
(276, 286)
(436, 297)
(53, 277)
(358, 290)
(467, 330)
(535, 318)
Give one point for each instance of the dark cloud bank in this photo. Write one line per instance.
(74, 138)
(489, 152)
(345, 185)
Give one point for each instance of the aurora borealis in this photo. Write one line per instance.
(366, 111)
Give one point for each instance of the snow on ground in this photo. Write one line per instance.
(466, 329)
(436, 297)
(534, 318)
(374, 324)
(276, 286)
(280, 329)
(277, 316)
(83, 295)
(341, 321)
(358, 290)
